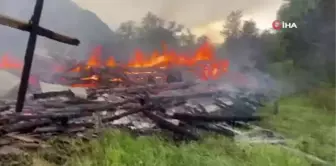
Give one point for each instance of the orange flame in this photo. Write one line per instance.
(203, 62)
(94, 60)
(111, 62)
(213, 69)
(9, 62)
(93, 77)
(204, 53)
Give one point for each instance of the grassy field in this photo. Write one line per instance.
(307, 119)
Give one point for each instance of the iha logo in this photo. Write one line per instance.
(277, 25)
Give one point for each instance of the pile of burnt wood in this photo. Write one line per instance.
(182, 110)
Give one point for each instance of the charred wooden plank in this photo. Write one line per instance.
(161, 122)
(213, 118)
(67, 93)
(49, 129)
(25, 126)
(54, 116)
(185, 96)
(76, 100)
(86, 107)
(27, 26)
(54, 104)
(112, 118)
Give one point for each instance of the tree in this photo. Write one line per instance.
(232, 24)
(155, 31)
(187, 39)
(127, 30)
(311, 45)
(249, 29)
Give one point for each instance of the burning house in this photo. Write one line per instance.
(168, 66)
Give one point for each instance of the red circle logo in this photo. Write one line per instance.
(277, 25)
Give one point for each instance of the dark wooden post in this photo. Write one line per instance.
(28, 59)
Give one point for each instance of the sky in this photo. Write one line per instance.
(203, 17)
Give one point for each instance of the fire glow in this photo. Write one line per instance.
(202, 62)
(210, 68)
(8, 62)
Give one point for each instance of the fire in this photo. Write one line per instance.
(116, 80)
(203, 58)
(204, 53)
(202, 62)
(9, 62)
(76, 69)
(84, 85)
(111, 62)
(94, 60)
(93, 77)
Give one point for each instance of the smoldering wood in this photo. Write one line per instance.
(26, 26)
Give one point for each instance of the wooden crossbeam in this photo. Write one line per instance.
(33, 27)
(27, 26)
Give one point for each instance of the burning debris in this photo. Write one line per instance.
(182, 110)
(157, 69)
(144, 95)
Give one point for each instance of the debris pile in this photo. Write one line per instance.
(183, 109)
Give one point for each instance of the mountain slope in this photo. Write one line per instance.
(63, 16)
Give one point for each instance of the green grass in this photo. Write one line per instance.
(119, 149)
(307, 119)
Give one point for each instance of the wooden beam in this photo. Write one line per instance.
(28, 59)
(25, 26)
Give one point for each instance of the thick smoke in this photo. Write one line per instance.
(190, 13)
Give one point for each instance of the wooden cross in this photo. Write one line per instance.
(33, 27)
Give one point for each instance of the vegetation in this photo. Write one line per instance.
(305, 56)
